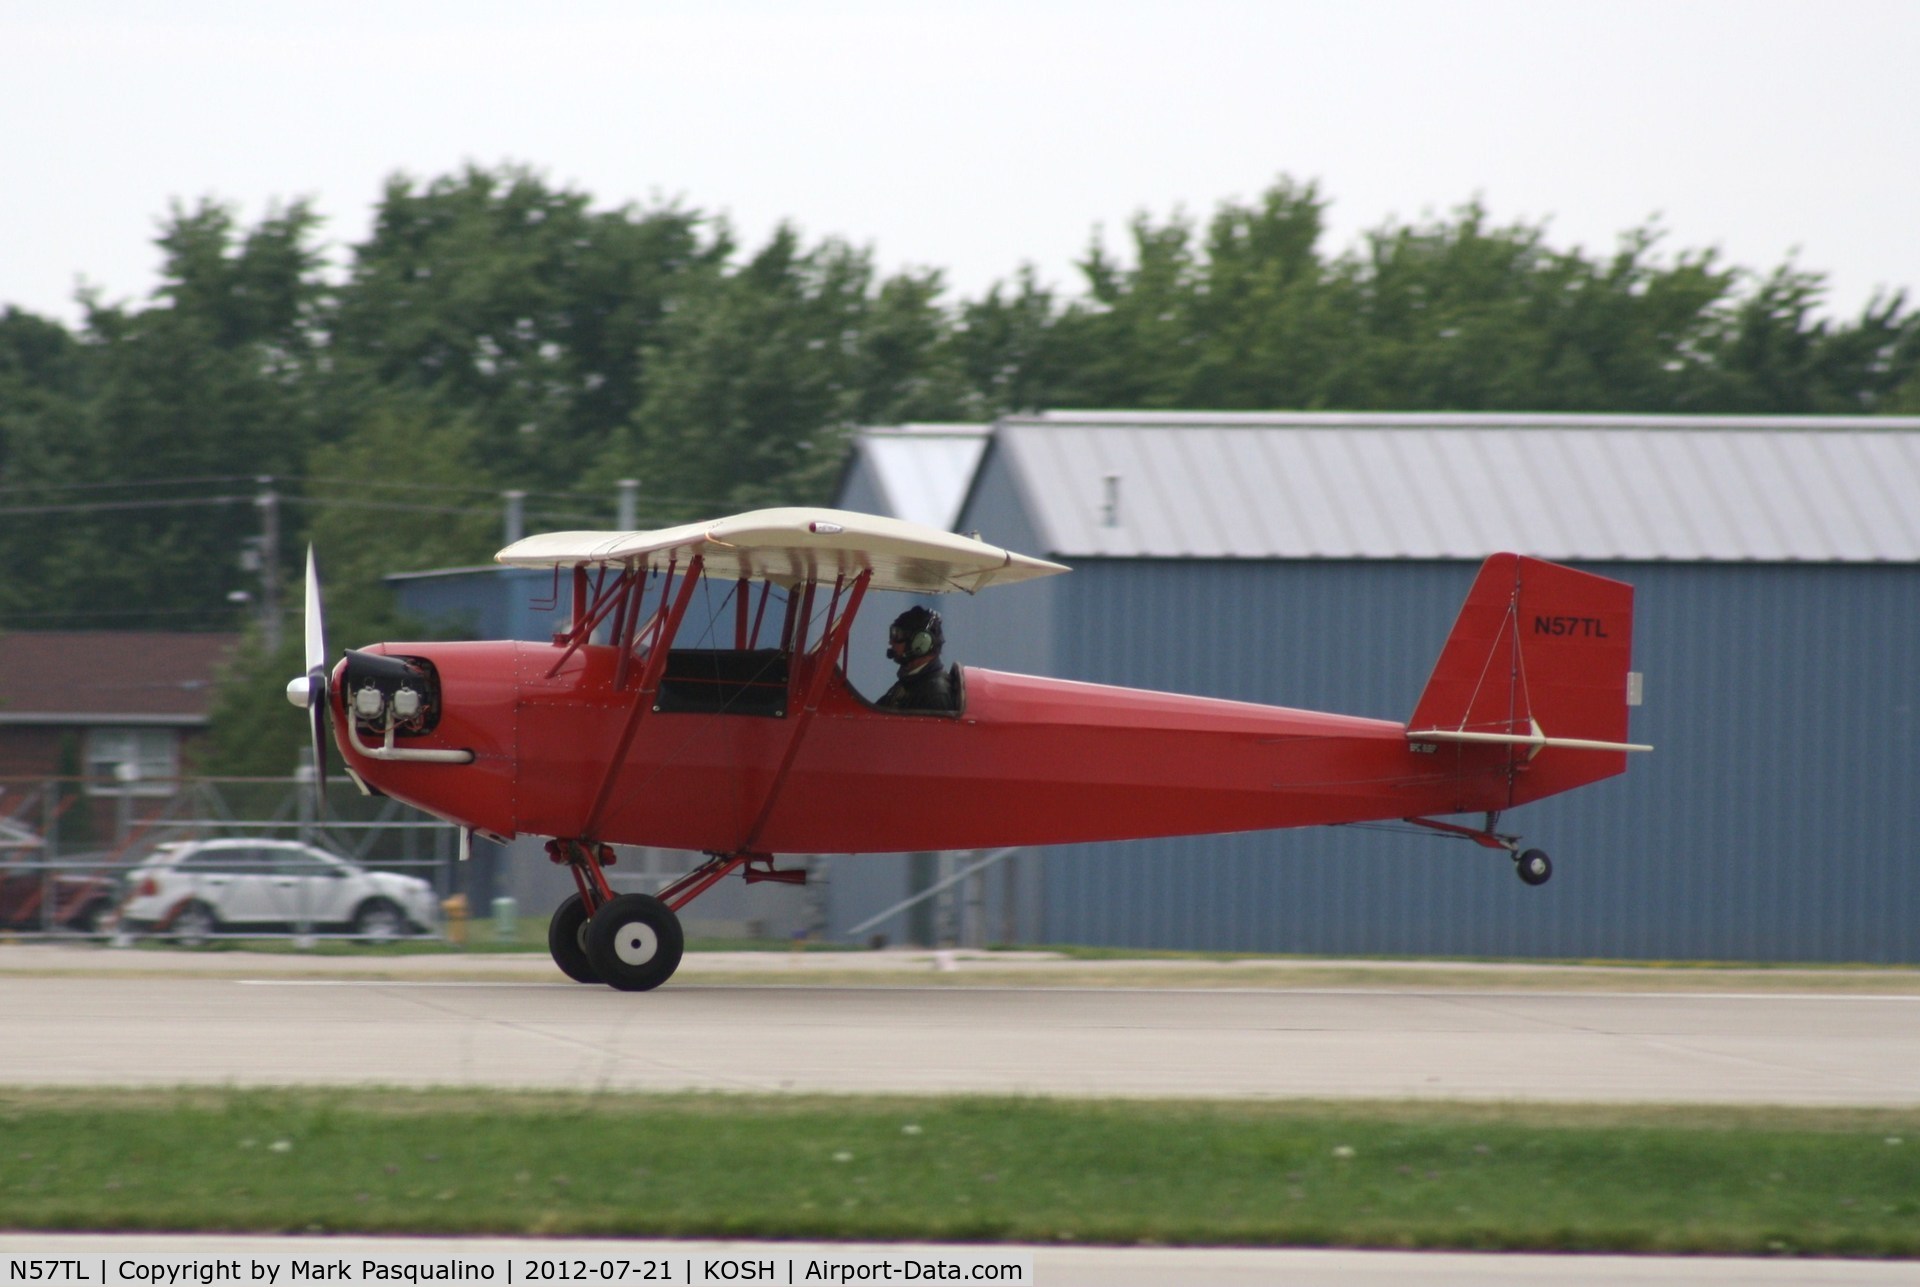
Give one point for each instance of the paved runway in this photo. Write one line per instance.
(1455, 1043)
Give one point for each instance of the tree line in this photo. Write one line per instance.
(495, 331)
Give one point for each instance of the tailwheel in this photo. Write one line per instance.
(567, 940)
(634, 943)
(1534, 866)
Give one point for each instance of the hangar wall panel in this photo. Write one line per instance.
(1777, 820)
(481, 603)
(1006, 627)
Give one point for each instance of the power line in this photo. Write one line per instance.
(430, 487)
(670, 504)
(92, 507)
(132, 482)
(57, 614)
(318, 502)
(187, 502)
(395, 507)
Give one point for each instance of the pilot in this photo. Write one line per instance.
(914, 641)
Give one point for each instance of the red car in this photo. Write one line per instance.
(37, 896)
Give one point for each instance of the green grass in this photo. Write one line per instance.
(1725, 1181)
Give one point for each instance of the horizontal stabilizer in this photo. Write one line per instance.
(1539, 741)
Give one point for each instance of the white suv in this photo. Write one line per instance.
(195, 889)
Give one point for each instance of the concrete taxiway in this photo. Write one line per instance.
(79, 1017)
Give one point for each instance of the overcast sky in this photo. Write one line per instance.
(973, 136)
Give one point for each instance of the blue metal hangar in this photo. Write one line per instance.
(1317, 560)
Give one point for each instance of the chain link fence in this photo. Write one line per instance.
(76, 855)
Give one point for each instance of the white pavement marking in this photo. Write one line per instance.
(1428, 994)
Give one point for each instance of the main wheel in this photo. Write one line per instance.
(1534, 866)
(567, 940)
(634, 942)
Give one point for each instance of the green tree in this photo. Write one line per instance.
(1009, 349)
(1461, 316)
(761, 370)
(1134, 336)
(371, 514)
(1775, 353)
(43, 393)
(905, 364)
(1265, 330)
(38, 358)
(519, 304)
(1449, 314)
(143, 484)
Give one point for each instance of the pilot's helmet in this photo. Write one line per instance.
(915, 633)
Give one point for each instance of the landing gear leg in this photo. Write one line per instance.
(634, 941)
(567, 931)
(1533, 865)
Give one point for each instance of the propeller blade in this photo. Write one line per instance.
(317, 702)
(316, 628)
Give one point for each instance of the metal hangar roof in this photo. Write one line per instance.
(1457, 486)
(924, 470)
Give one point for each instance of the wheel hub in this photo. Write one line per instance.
(636, 943)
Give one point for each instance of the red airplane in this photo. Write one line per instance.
(613, 733)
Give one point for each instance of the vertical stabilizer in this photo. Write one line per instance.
(1537, 664)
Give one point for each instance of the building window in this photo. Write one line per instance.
(132, 761)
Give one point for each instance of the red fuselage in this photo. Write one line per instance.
(1027, 761)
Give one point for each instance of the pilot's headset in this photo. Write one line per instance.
(913, 634)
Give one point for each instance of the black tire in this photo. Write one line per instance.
(567, 940)
(379, 921)
(95, 917)
(634, 943)
(194, 924)
(1534, 866)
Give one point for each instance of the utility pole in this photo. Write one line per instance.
(268, 502)
(516, 526)
(627, 512)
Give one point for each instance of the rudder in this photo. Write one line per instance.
(1537, 663)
